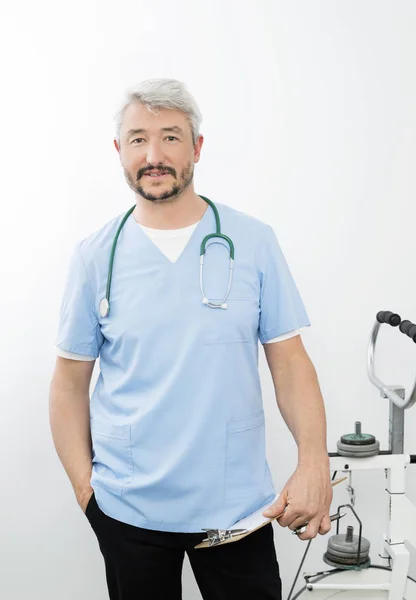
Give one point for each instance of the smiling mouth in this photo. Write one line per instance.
(156, 175)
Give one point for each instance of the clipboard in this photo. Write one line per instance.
(243, 527)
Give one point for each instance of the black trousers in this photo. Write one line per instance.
(143, 564)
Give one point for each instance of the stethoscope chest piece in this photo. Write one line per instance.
(104, 307)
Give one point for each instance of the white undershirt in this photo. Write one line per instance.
(172, 243)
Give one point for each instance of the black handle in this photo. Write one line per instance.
(408, 328)
(386, 316)
(393, 319)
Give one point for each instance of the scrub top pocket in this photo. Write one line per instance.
(111, 455)
(236, 323)
(245, 462)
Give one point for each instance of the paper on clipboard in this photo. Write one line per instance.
(255, 519)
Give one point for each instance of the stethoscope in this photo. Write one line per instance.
(105, 302)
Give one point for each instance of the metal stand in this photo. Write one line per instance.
(401, 512)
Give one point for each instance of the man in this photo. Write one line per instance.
(173, 440)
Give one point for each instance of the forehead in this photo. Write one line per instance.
(136, 116)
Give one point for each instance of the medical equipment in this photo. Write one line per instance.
(105, 302)
(354, 577)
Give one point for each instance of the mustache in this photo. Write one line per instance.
(163, 169)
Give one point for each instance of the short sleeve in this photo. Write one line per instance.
(281, 307)
(79, 330)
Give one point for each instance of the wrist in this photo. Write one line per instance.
(83, 490)
(313, 457)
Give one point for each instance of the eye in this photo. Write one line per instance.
(172, 137)
(136, 139)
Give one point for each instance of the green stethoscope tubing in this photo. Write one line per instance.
(105, 302)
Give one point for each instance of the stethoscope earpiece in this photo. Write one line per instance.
(212, 305)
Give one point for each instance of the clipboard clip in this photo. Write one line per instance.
(215, 536)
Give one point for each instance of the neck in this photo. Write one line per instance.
(171, 213)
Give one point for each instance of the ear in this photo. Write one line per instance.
(116, 145)
(197, 149)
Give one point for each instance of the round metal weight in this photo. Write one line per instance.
(357, 444)
(363, 439)
(343, 550)
(347, 553)
(358, 451)
(340, 544)
(363, 563)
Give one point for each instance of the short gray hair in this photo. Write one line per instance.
(162, 93)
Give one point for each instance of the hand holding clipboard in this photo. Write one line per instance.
(247, 525)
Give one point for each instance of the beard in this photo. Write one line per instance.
(167, 190)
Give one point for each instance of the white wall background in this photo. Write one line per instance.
(309, 124)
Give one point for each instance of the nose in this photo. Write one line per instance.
(154, 154)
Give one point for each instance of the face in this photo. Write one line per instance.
(160, 144)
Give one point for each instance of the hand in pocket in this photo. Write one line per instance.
(84, 499)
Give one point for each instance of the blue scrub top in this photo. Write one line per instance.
(177, 420)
